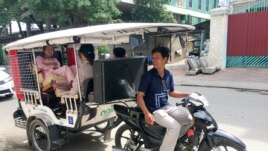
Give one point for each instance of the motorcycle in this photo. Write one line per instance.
(203, 134)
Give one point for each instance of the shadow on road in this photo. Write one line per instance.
(3, 99)
(88, 140)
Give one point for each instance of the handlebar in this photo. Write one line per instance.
(179, 104)
(184, 102)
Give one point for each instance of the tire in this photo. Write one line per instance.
(227, 145)
(39, 136)
(9, 95)
(128, 139)
(108, 125)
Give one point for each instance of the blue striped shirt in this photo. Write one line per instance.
(156, 89)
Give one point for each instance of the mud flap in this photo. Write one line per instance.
(107, 135)
(54, 134)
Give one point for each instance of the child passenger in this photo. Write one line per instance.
(119, 52)
(85, 69)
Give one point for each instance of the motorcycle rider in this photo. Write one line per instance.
(152, 98)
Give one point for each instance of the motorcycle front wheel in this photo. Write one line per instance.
(129, 139)
(227, 146)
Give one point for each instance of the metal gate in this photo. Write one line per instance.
(247, 43)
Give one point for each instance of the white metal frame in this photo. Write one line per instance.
(96, 35)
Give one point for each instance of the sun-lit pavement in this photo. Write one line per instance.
(255, 79)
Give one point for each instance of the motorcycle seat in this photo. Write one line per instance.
(136, 114)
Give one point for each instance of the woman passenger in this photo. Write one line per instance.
(48, 64)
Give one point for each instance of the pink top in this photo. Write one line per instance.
(47, 65)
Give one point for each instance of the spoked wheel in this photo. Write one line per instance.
(227, 146)
(40, 136)
(128, 139)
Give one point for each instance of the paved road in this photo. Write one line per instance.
(241, 113)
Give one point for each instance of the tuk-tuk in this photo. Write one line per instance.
(49, 116)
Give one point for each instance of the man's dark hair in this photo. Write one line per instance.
(164, 51)
(119, 52)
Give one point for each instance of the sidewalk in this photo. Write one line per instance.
(254, 79)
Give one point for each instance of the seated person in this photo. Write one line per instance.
(85, 69)
(48, 64)
(119, 52)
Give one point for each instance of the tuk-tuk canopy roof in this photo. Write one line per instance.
(97, 35)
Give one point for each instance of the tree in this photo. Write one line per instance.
(151, 11)
(73, 13)
(9, 10)
(65, 13)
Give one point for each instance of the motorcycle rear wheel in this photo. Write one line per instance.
(129, 139)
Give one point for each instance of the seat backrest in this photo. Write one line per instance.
(57, 55)
(89, 88)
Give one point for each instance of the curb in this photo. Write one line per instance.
(228, 87)
(249, 86)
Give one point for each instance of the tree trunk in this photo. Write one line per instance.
(72, 21)
(39, 24)
(10, 28)
(48, 24)
(28, 26)
(21, 33)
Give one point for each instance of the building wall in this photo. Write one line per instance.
(218, 37)
(206, 6)
(248, 6)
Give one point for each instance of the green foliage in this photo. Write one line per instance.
(2, 57)
(66, 13)
(151, 11)
(103, 11)
(103, 49)
(82, 12)
(9, 10)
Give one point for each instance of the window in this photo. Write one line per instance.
(207, 5)
(199, 20)
(190, 3)
(180, 3)
(199, 4)
(216, 2)
(190, 20)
